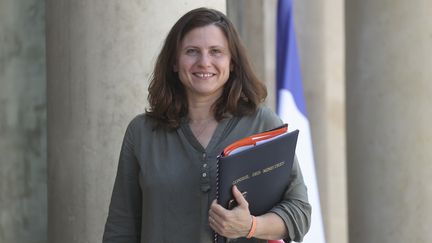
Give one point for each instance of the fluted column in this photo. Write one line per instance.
(255, 21)
(389, 90)
(321, 43)
(99, 57)
(320, 37)
(23, 203)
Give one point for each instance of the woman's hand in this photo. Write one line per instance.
(233, 223)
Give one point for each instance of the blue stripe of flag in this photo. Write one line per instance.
(288, 74)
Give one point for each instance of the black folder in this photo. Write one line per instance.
(261, 173)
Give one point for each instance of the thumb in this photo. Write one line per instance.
(239, 197)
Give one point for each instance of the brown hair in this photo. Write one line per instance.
(242, 93)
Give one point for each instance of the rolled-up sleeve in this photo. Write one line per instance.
(123, 223)
(295, 209)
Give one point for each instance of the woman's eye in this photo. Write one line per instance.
(215, 51)
(191, 51)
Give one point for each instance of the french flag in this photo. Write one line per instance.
(291, 108)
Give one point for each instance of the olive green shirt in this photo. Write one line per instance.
(166, 182)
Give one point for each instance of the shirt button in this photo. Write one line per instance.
(205, 188)
(204, 155)
(204, 175)
(204, 165)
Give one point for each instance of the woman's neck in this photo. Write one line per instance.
(201, 119)
(201, 109)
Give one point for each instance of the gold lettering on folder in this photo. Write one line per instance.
(259, 172)
(256, 173)
(275, 166)
(240, 179)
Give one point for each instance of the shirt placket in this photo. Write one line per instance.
(205, 192)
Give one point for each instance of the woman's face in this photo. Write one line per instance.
(203, 62)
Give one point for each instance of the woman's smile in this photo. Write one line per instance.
(204, 75)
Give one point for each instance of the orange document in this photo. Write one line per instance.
(253, 140)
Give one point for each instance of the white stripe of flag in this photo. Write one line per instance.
(292, 110)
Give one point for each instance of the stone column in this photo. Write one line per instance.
(23, 193)
(389, 89)
(255, 21)
(320, 38)
(99, 57)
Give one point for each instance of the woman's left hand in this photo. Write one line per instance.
(233, 223)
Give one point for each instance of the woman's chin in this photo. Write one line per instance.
(206, 93)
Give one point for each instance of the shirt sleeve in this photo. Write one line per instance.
(123, 223)
(295, 209)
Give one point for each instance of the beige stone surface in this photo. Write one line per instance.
(255, 21)
(321, 42)
(23, 190)
(320, 37)
(389, 93)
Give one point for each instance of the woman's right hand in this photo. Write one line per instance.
(233, 223)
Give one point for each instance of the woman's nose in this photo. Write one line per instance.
(204, 60)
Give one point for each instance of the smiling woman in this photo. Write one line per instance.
(242, 91)
(203, 96)
(203, 63)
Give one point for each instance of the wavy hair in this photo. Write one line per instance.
(242, 93)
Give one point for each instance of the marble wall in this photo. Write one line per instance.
(23, 203)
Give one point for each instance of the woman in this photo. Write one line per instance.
(203, 96)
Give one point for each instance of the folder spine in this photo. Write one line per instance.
(217, 190)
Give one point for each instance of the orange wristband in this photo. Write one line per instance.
(253, 228)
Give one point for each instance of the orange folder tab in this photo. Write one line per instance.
(255, 139)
